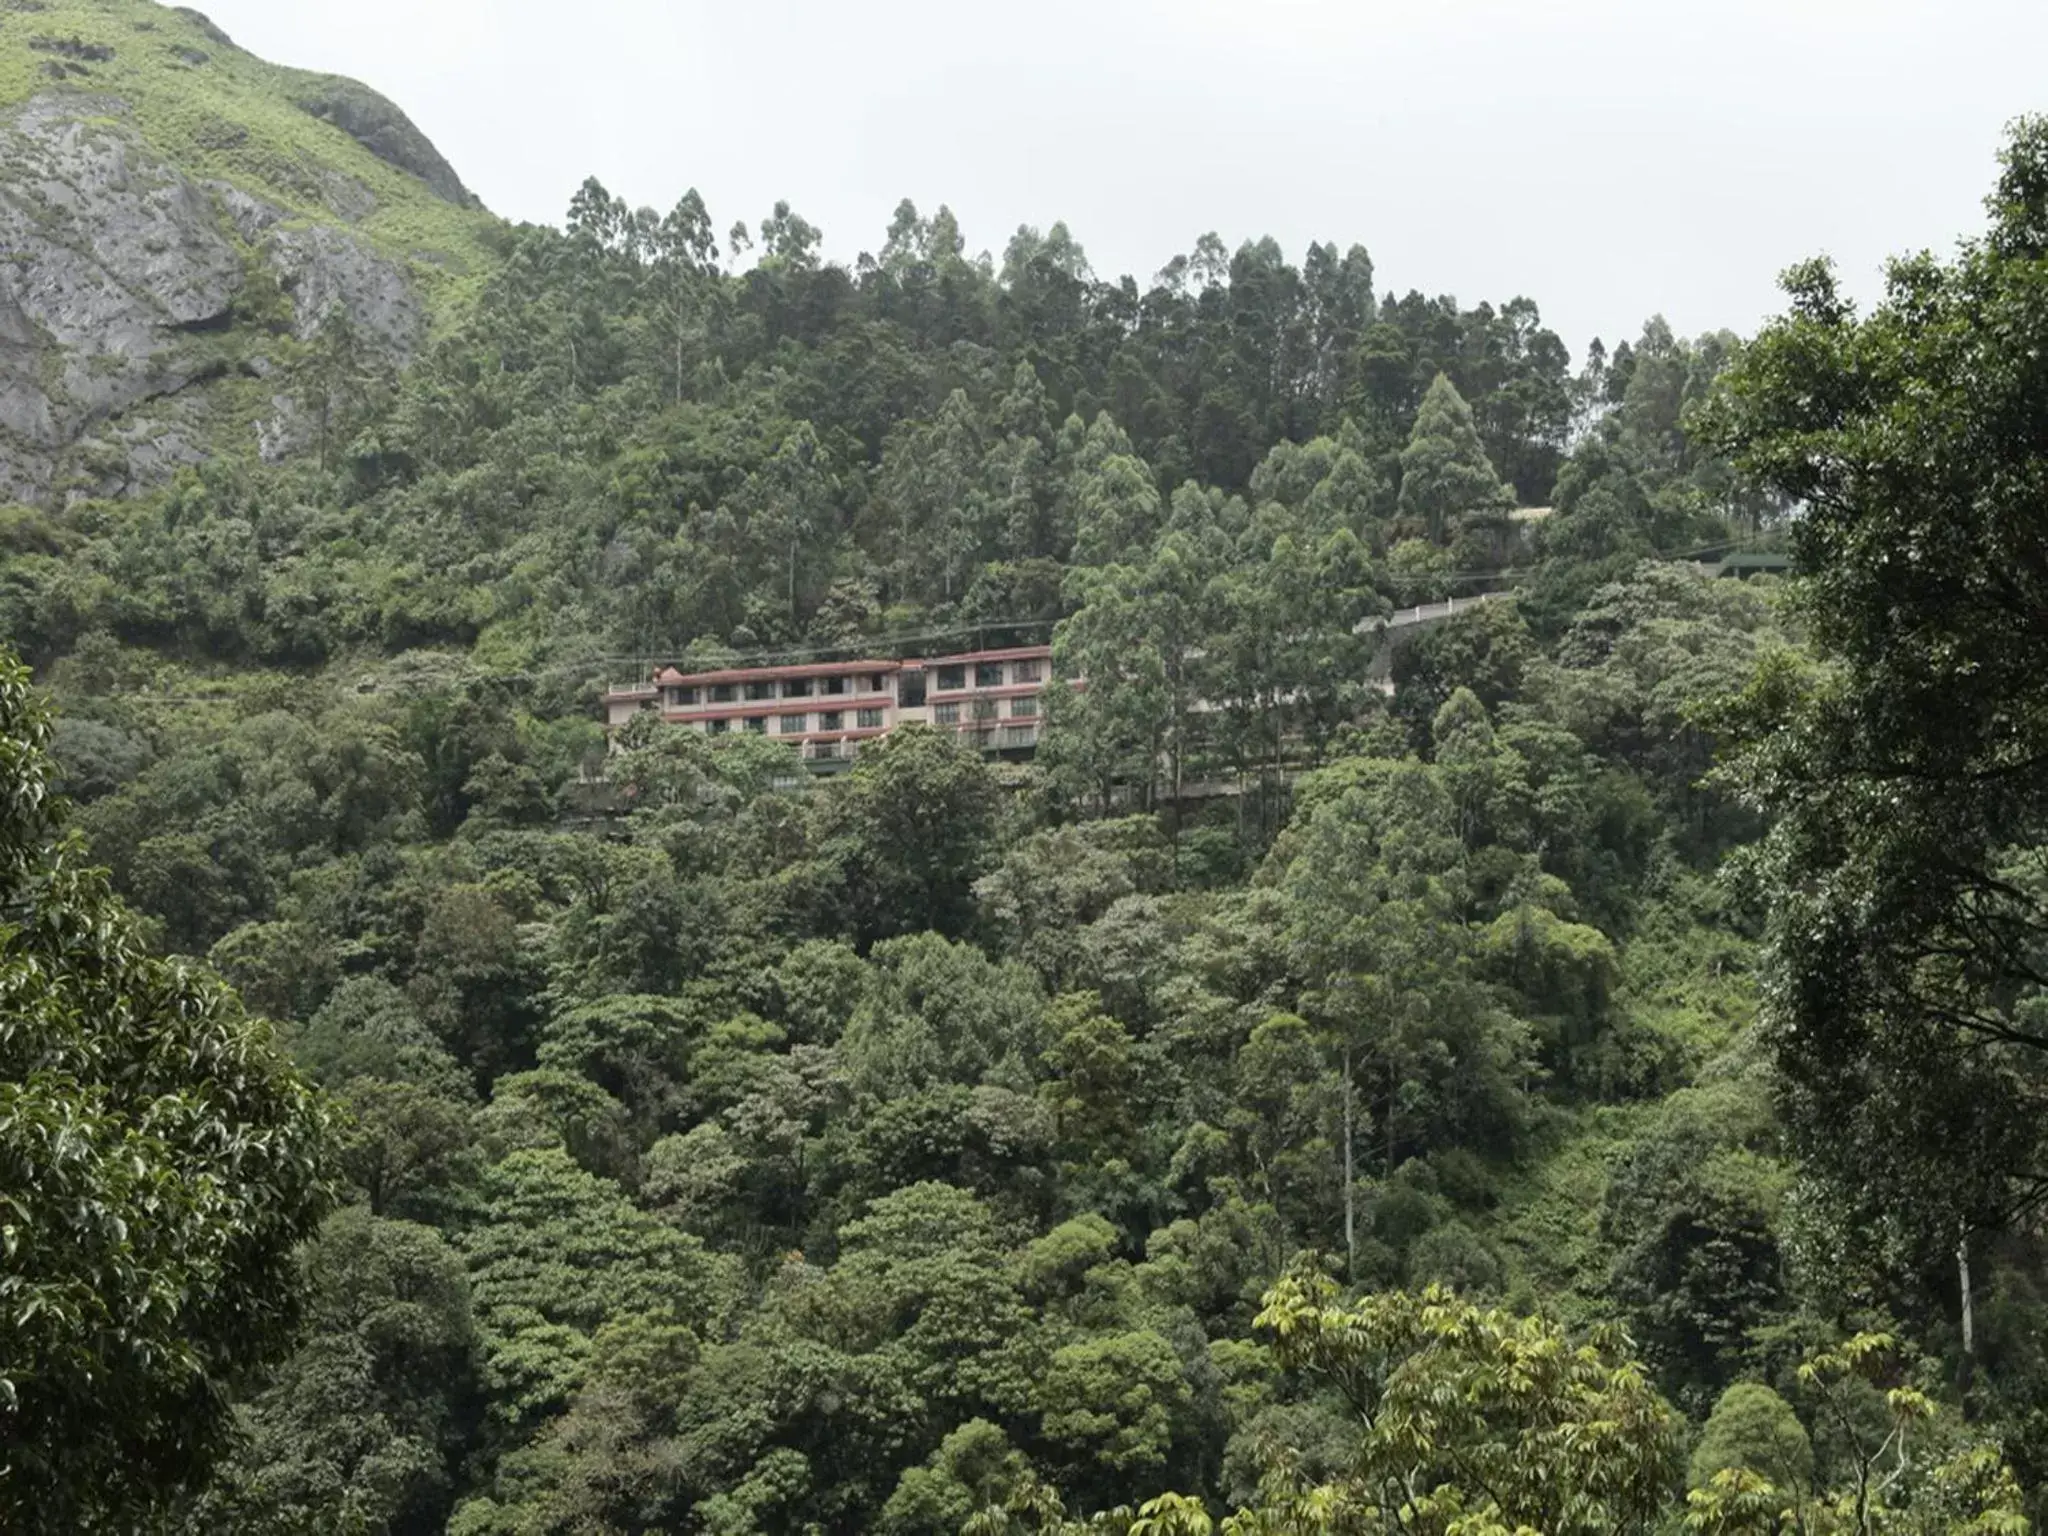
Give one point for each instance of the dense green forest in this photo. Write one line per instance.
(1587, 1079)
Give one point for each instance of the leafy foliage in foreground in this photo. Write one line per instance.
(1902, 766)
(1471, 1422)
(159, 1161)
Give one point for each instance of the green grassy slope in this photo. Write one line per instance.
(218, 112)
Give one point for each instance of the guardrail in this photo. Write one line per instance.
(1429, 613)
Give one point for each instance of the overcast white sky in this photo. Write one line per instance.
(1609, 158)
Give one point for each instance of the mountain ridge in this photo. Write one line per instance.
(178, 218)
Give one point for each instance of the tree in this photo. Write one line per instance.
(1094, 1086)
(975, 1466)
(1466, 1422)
(1751, 1426)
(1901, 1470)
(788, 240)
(1693, 1212)
(607, 1464)
(1469, 1415)
(1486, 650)
(1448, 485)
(1469, 1422)
(1108, 728)
(682, 279)
(361, 1428)
(938, 1012)
(1052, 884)
(403, 1145)
(335, 376)
(928, 514)
(911, 827)
(159, 1163)
(1908, 937)
(556, 1255)
(1372, 876)
(1113, 1404)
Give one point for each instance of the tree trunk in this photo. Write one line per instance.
(1968, 1370)
(1350, 1180)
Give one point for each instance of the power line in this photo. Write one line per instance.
(904, 640)
(795, 655)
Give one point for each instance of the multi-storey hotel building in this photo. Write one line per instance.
(827, 709)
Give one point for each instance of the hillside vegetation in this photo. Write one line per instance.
(318, 146)
(1392, 1135)
(189, 228)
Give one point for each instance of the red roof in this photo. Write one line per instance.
(671, 678)
(1016, 653)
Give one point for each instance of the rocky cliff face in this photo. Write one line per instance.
(385, 132)
(155, 294)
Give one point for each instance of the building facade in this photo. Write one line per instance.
(827, 709)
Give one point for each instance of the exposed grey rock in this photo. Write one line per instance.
(199, 20)
(26, 470)
(251, 215)
(114, 267)
(349, 199)
(110, 259)
(72, 48)
(141, 449)
(24, 408)
(156, 452)
(322, 267)
(386, 132)
(286, 431)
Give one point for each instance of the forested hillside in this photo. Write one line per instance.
(715, 1148)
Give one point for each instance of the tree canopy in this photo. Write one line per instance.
(1565, 1062)
(159, 1163)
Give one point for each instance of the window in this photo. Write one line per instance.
(760, 690)
(793, 725)
(721, 693)
(757, 725)
(945, 714)
(824, 751)
(1023, 709)
(868, 719)
(951, 679)
(877, 683)
(797, 688)
(1019, 736)
(835, 685)
(716, 727)
(985, 709)
(988, 674)
(681, 698)
(1029, 671)
(835, 721)
(910, 693)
